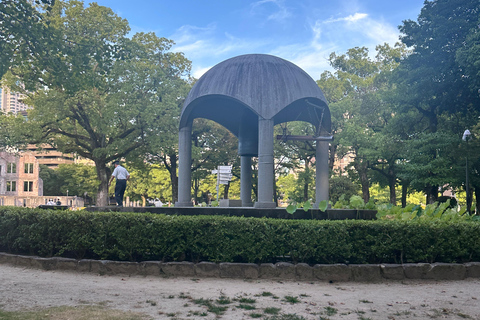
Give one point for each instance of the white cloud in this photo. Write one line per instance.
(351, 18)
(280, 12)
(207, 46)
(198, 72)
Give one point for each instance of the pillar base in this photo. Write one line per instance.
(265, 205)
(183, 204)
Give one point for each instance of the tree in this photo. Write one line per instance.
(78, 179)
(297, 156)
(358, 91)
(212, 146)
(435, 80)
(95, 92)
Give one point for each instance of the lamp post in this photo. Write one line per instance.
(466, 136)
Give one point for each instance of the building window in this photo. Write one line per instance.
(28, 186)
(12, 186)
(28, 167)
(11, 167)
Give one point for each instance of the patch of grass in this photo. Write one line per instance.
(264, 294)
(365, 301)
(272, 310)
(246, 300)
(463, 315)
(255, 315)
(291, 299)
(184, 296)
(72, 313)
(329, 311)
(171, 297)
(218, 310)
(152, 303)
(202, 302)
(246, 306)
(304, 295)
(289, 316)
(400, 313)
(224, 300)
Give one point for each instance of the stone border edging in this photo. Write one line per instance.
(280, 270)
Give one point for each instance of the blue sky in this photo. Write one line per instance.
(304, 32)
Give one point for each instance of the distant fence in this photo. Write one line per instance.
(35, 201)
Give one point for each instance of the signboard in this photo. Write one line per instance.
(224, 174)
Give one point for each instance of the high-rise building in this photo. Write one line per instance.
(11, 101)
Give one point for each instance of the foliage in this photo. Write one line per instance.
(354, 202)
(432, 212)
(144, 237)
(298, 156)
(437, 85)
(341, 185)
(78, 179)
(94, 91)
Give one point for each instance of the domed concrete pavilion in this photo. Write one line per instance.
(248, 95)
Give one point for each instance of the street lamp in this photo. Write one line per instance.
(466, 136)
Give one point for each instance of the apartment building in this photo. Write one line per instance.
(19, 175)
(11, 101)
(50, 156)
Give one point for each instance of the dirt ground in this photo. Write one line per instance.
(184, 298)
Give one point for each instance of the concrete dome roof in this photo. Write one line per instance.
(252, 86)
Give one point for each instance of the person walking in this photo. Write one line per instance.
(122, 175)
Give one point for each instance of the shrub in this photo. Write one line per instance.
(144, 236)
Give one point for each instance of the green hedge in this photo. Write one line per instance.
(143, 237)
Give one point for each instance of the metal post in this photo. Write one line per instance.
(466, 136)
(467, 188)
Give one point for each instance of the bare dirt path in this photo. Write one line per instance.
(181, 298)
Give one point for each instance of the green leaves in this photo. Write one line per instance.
(147, 237)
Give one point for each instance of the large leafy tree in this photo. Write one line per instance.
(76, 179)
(362, 112)
(435, 81)
(95, 92)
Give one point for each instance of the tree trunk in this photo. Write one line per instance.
(306, 181)
(470, 200)
(362, 174)
(477, 202)
(393, 195)
(275, 190)
(404, 194)
(392, 181)
(102, 193)
(226, 187)
(331, 155)
(173, 176)
(196, 186)
(432, 194)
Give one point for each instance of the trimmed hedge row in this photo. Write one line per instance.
(143, 237)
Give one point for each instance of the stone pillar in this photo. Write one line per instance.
(246, 181)
(184, 167)
(321, 179)
(265, 164)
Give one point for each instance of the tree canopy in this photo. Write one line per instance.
(94, 91)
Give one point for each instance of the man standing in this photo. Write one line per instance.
(122, 176)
